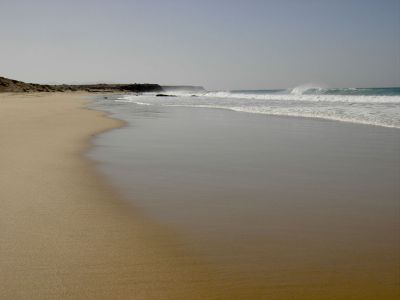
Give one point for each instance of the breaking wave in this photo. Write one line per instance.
(374, 106)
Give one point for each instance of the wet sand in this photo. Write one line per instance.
(64, 233)
(278, 207)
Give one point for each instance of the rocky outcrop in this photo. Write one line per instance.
(10, 85)
(165, 95)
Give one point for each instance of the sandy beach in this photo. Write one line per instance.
(64, 234)
(67, 233)
(200, 150)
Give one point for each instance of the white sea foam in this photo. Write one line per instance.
(302, 89)
(135, 102)
(381, 110)
(307, 97)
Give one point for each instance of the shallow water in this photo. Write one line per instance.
(373, 106)
(278, 206)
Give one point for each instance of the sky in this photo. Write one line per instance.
(214, 43)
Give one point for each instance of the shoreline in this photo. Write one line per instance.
(290, 182)
(293, 116)
(64, 231)
(369, 110)
(69, 232)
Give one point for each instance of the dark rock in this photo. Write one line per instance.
(164, 95)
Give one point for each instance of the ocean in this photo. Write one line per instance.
(276, 205)
(373, 106)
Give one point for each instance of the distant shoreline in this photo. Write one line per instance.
(16, 86)
(11, 85)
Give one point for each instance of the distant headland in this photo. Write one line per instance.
(16, 86)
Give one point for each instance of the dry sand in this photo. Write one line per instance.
(64, 234)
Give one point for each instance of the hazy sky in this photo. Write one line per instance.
(217, 44)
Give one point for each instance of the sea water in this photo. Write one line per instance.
(374, 106)
(275, 205)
